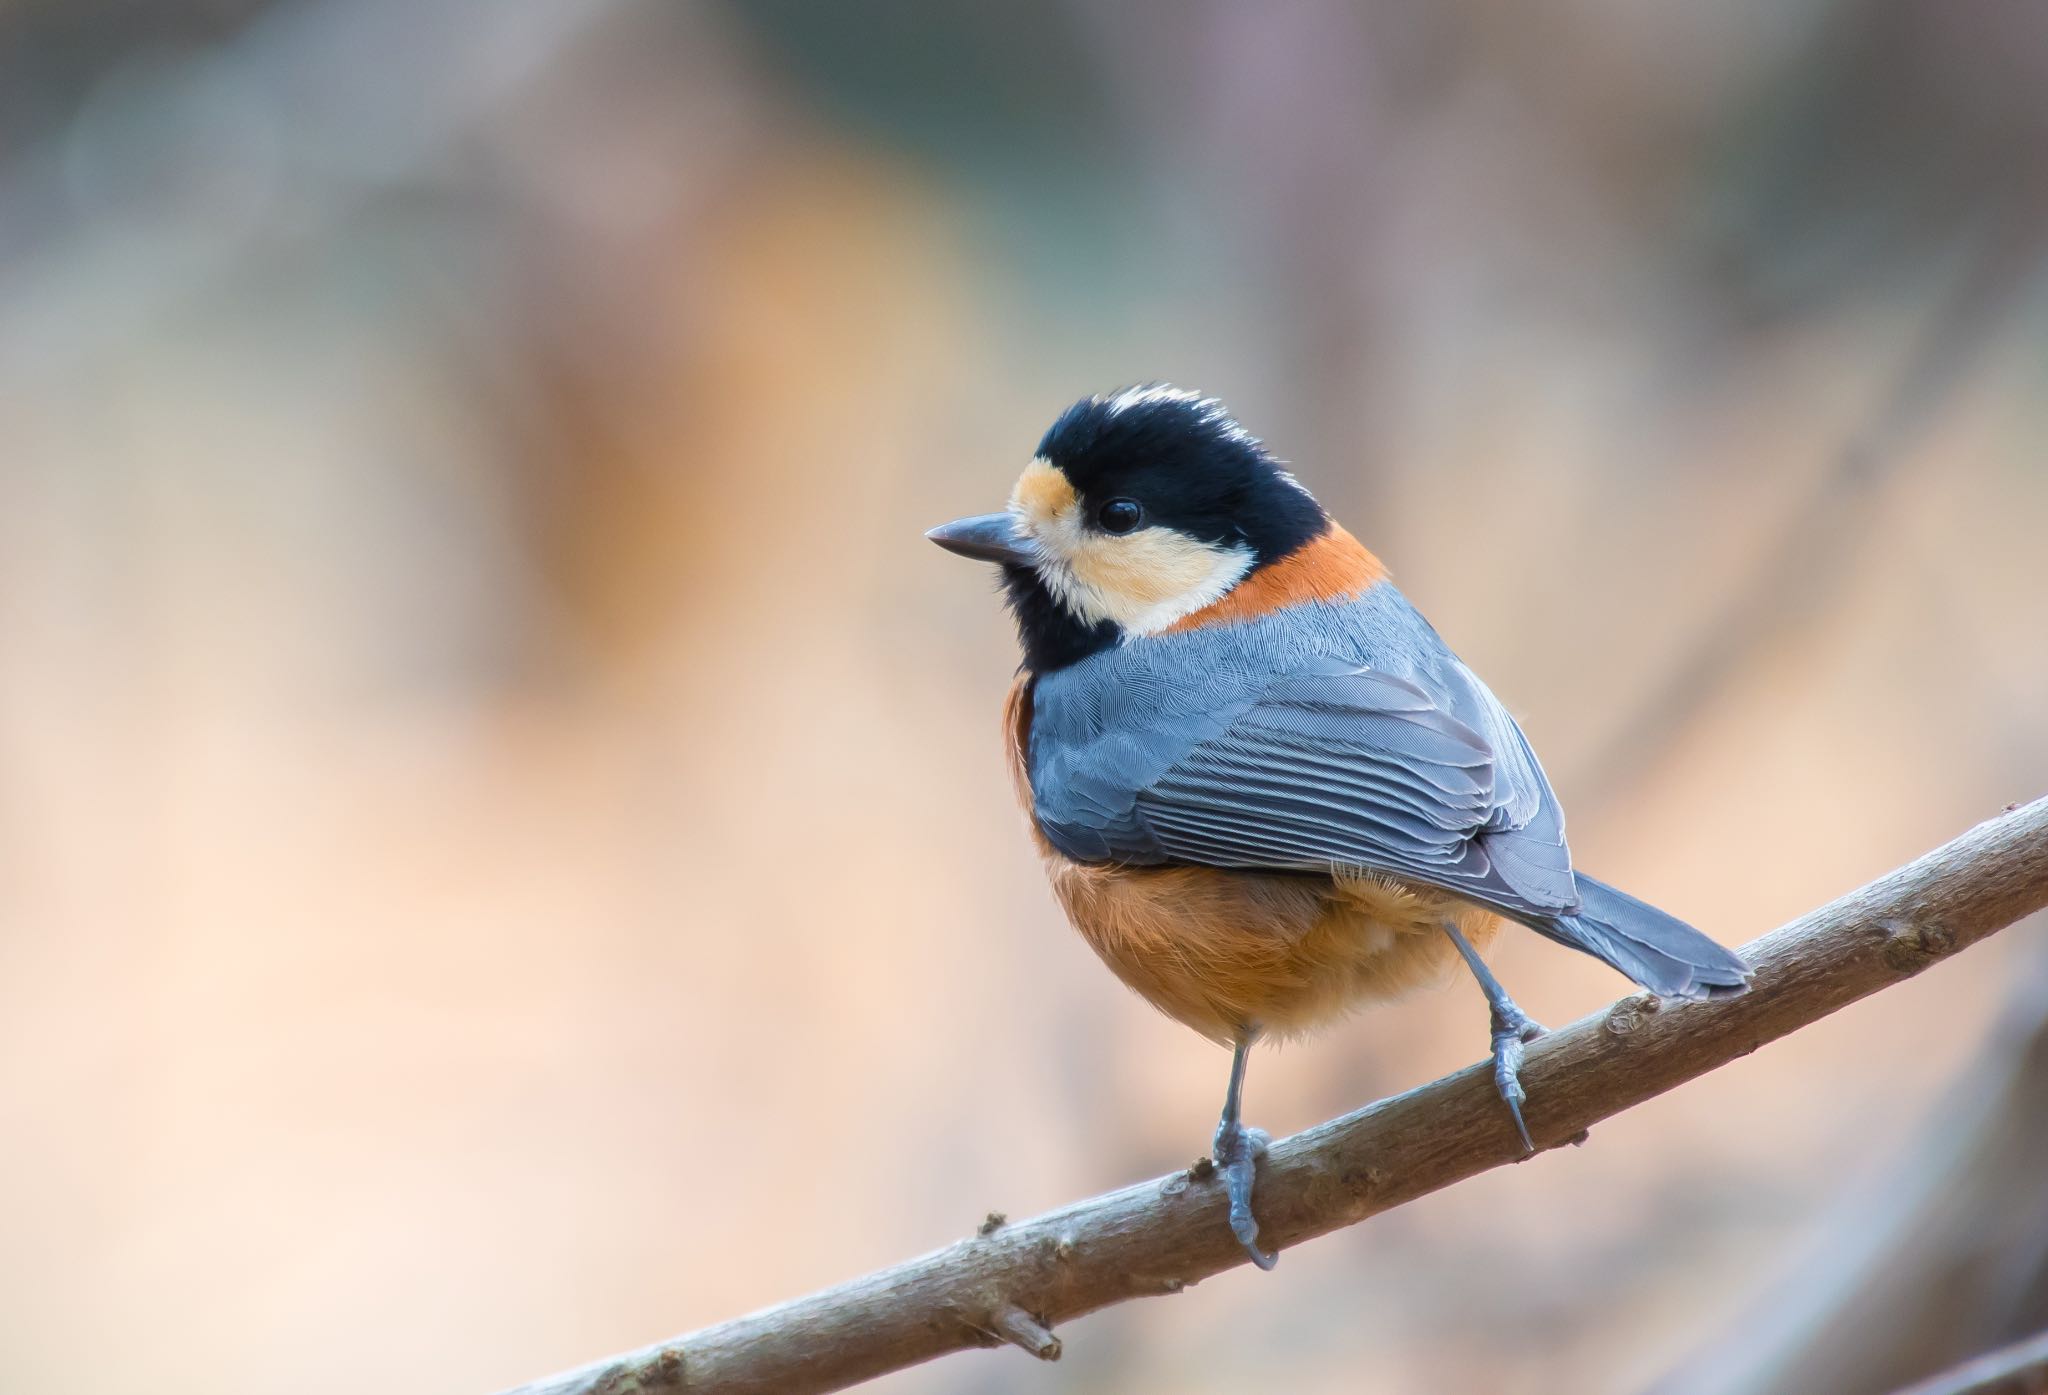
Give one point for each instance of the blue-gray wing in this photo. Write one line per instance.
(1421, 775)
(1333, 735)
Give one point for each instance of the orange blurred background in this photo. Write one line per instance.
(504, 849)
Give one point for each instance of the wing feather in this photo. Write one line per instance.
(1392, 758)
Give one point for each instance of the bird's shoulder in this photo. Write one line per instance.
(1197, 675)
(1104, 728)
(1147, 731)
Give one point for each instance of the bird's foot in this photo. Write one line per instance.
(1238, 1150)
(1512, 1030)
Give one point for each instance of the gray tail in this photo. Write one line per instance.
(1661, 952)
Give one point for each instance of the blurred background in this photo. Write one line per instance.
(504, 847)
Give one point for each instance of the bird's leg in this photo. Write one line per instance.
(1238, 1150)
(1512, 1029)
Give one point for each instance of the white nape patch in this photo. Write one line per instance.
(1212, 410)
(1124, 399)
(1286, 476)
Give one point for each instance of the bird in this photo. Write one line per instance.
(1264, 790)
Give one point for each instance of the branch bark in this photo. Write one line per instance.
(1016, 1282)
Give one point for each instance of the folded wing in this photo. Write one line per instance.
(1368, 770)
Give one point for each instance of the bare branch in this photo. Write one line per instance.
(1014, 1282)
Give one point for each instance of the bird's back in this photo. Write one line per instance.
(1330, 687)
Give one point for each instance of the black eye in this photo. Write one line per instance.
(1120, 515)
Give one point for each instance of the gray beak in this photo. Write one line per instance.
(989, 538)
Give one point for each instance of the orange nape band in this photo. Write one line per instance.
(1333, 567)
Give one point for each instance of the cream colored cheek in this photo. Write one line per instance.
(1043, 497)
(1142, 569)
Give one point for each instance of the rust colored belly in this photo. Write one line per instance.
(1230, 952)
(1226, 952)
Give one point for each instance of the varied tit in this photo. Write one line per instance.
(1265, 791)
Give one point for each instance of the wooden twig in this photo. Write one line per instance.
(2020, 1369)
(1015, 1282)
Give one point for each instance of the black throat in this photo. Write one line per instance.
(1053, 636)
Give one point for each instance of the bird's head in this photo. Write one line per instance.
(1140, 509)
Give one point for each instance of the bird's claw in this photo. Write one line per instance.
(1511, 1031)
(1238, 1150)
